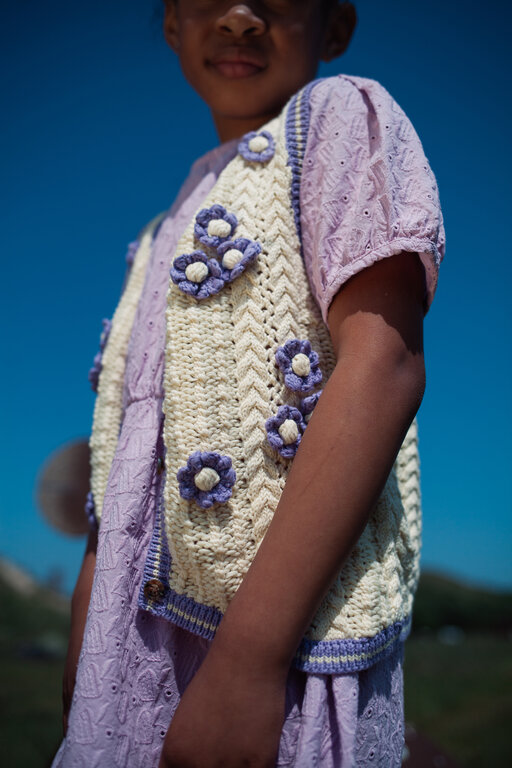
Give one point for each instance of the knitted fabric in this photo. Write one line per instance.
(221, 386)
(108, 405)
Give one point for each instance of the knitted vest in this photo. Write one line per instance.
(245, 347)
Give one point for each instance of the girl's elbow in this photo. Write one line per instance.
(412, 382)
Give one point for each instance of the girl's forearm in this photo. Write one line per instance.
(337, 475)
(83, 586)
(80, 601)
(79, 608)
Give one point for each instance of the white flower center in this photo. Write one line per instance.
(231, 257)
(258, 144)
(301, 364)
(219, 228)
(196, 272)
(206, 479)
(289, 431)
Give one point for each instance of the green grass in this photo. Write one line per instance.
(441, 600)
(461, 696)
(30, 703)
(458, 695)
(30, 690)
(24, 620)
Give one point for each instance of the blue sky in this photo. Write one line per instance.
(99, 130)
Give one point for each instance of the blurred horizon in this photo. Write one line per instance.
(99, 131)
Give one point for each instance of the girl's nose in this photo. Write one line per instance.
(240, 20)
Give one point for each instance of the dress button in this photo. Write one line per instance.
(154, 590)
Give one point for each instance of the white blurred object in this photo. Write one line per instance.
(62, 488)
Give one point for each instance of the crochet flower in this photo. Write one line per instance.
(105, 333)
(307, 404)
(197, 275)
(132, 250)
(94, 372)
(299, 364)
(207, 478)
(285, 430)
(90, 511)
(214, 225)
(257, 147)
(236, 255)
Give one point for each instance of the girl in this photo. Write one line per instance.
(254, 467)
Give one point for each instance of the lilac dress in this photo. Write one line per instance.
(134, 666)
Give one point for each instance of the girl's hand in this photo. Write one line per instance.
(229, 717)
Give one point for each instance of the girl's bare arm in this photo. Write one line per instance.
(343, 461)
(338, 473)
(79, 608)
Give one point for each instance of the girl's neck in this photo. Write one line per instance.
(232, 128)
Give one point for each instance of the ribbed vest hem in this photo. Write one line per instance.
(317, 656)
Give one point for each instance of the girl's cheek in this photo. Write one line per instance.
(298, 37)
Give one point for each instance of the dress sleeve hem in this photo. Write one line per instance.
(428, 252)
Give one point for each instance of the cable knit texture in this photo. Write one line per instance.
(108, 407)
(220, 387)
(134, 666)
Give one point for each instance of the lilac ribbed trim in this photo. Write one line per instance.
(335, 656)
(158, 558)
(298, 109)
(318, 656)
(181, 610)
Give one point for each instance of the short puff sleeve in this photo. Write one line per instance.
(367, 191)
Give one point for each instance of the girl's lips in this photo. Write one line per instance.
(236, 69)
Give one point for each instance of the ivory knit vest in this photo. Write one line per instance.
(221, 386)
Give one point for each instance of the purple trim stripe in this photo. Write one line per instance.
(335, 656)
(297, 126)
(319, 656)
(158, 558)
(180, 609)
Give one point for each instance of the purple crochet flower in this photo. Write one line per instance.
(132, 250)
(307, 404)
(237, 254)
(299, 364)
(215, 225)
(94, 372)
(257, 146)
(105, 333)
(285, 430)
(207, 478)
(90, 511)
(197, 275)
